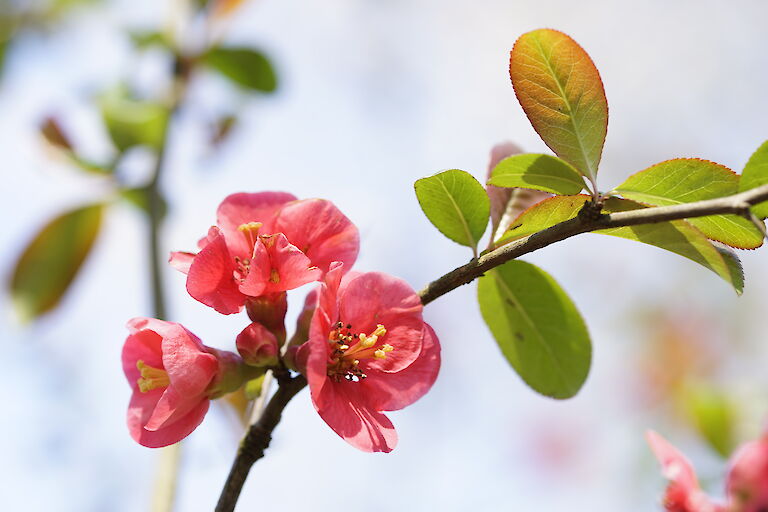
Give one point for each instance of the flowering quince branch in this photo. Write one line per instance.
(361, 344)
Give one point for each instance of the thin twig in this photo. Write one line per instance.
(580, 224)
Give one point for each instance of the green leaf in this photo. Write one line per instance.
(246, 67)
(676, 236)
(560, 90)
(686, 180)
(537, 327)
(456, 203)
(132, 122)
(253, 387)
(51, 261)
(755, 174)
(538, 172)
(714, 417)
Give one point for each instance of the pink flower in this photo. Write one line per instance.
(369, 351)
(170, 372)
(265, 243)
(683, 493)
(748, 477)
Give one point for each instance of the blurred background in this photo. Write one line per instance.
(368, 96)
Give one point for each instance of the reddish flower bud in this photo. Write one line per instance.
(258, 346)
(269, 311)
(748, 477)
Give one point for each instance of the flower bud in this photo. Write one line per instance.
(748, 477)
(258, 346)
(269, 311)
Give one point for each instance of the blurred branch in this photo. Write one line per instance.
(738, 204)
(256, 441)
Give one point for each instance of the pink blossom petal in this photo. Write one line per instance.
(211, 280)
(242, 208)
(171, 407)
(321, 231)
(140, 410)
(181, 261)
(393, 391)
(255, 283)
(144, 346)
(683, 493)
(290, 268)
(376, 298)
(365, 429)
(190, 367)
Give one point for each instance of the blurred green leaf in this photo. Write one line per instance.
(456, 204)
(132, 122)
(538, 172)
(537, 327)
(714, 416)
(755, 174)
(144, 39)
(51, 261)
(675, 236)
(246, 67)
(685, 180)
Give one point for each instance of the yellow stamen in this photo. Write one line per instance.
(387, 348)
(380, 354)
(151, 378)
(250, 231)
(274, 276)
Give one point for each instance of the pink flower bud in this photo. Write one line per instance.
(748, 477)
(258, 346)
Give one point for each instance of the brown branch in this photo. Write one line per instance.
(736, 204)
(259, 435)
(257, 440)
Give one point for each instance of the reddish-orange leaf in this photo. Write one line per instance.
(560, 91)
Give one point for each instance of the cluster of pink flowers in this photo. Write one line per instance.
(361, 340)
(746, 483)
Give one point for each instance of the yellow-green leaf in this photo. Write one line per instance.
(538, 172)
(456, 204)
(537, 327)
(560, 90)
(51, 261)
(755, 174)
(131, 122)
(686, 180)
(676, 236)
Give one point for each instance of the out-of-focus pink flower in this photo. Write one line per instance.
(173, 377)
(266, 243)
(257, 346)
(748, 478)
(369, 351)
(683, 492)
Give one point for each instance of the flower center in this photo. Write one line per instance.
(250, 231)
(348, 349)
(151, 378)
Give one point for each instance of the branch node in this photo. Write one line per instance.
(592, 210)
